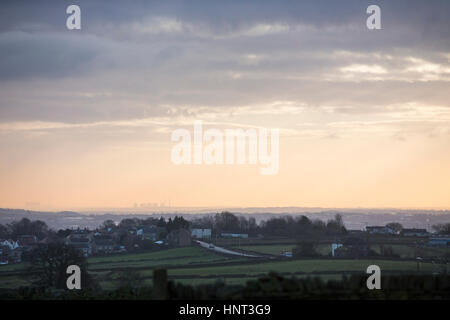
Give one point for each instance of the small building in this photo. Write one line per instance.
(414, 233)
(15, 256)
(152, 233)
(439, 242)
(10, 244)
(28, 242)
(234, 235)
(4, 253)
(287, 254)
(10, 252)
(355, 232)
(81, 241)
(179, 238)
(84, 248)
(379, 230)
(201, 233)
(335, 246)
(104, 244)
(353, 247)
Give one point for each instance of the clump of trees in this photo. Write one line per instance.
(25, 226)
(285, 226)
(302, 226)
(170, 224)
(388, 252)
(442, 228)
(50, 263)
(226, 222)
(395, 226)
(305, 249)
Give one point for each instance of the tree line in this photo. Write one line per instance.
(224, 222)
(284, 226)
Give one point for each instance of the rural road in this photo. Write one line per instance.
(213, 247)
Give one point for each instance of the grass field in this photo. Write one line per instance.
(196, 265)
(165, 258)
(410, 252)
(277, 249)
(402, 250)
(303, 266)
(240, 274)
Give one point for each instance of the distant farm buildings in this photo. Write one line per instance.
(234, 235)
(439, 242)
(379, 230)
(352, 247)
(151, 232)
(201, 233)
(414, 233)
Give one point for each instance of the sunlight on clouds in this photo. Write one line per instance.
(427, 71)
(158, 25)
(265, 29)
(363, 68)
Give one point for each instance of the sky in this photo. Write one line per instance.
(86, 116)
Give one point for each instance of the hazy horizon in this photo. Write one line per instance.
(236, 209)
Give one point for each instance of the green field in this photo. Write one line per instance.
(196, 265)
(277, 249)
(164, 258)
(239, 274)
(303, 266)
(410, 252)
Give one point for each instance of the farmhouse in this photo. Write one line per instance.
(414, 232)
(201, 233)
(152, 233)
(104, 244)
(234, 235)
(379, 230)
(353, 247)
(439, 242)
(80, 241)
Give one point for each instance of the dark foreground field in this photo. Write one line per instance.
(199, 266)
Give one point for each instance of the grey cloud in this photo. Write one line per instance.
(148, 69)
(46, 55)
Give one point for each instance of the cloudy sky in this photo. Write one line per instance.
(86, 115)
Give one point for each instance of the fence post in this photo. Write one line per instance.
(160, 284)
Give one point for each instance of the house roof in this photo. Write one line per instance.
(104, 242)
(414, 230)
(152, 229)
(81, 245)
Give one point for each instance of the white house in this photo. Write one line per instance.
(379, 230)
(234, 235)
(10, 244)
(201, 233)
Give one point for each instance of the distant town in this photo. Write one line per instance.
(19, 238)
